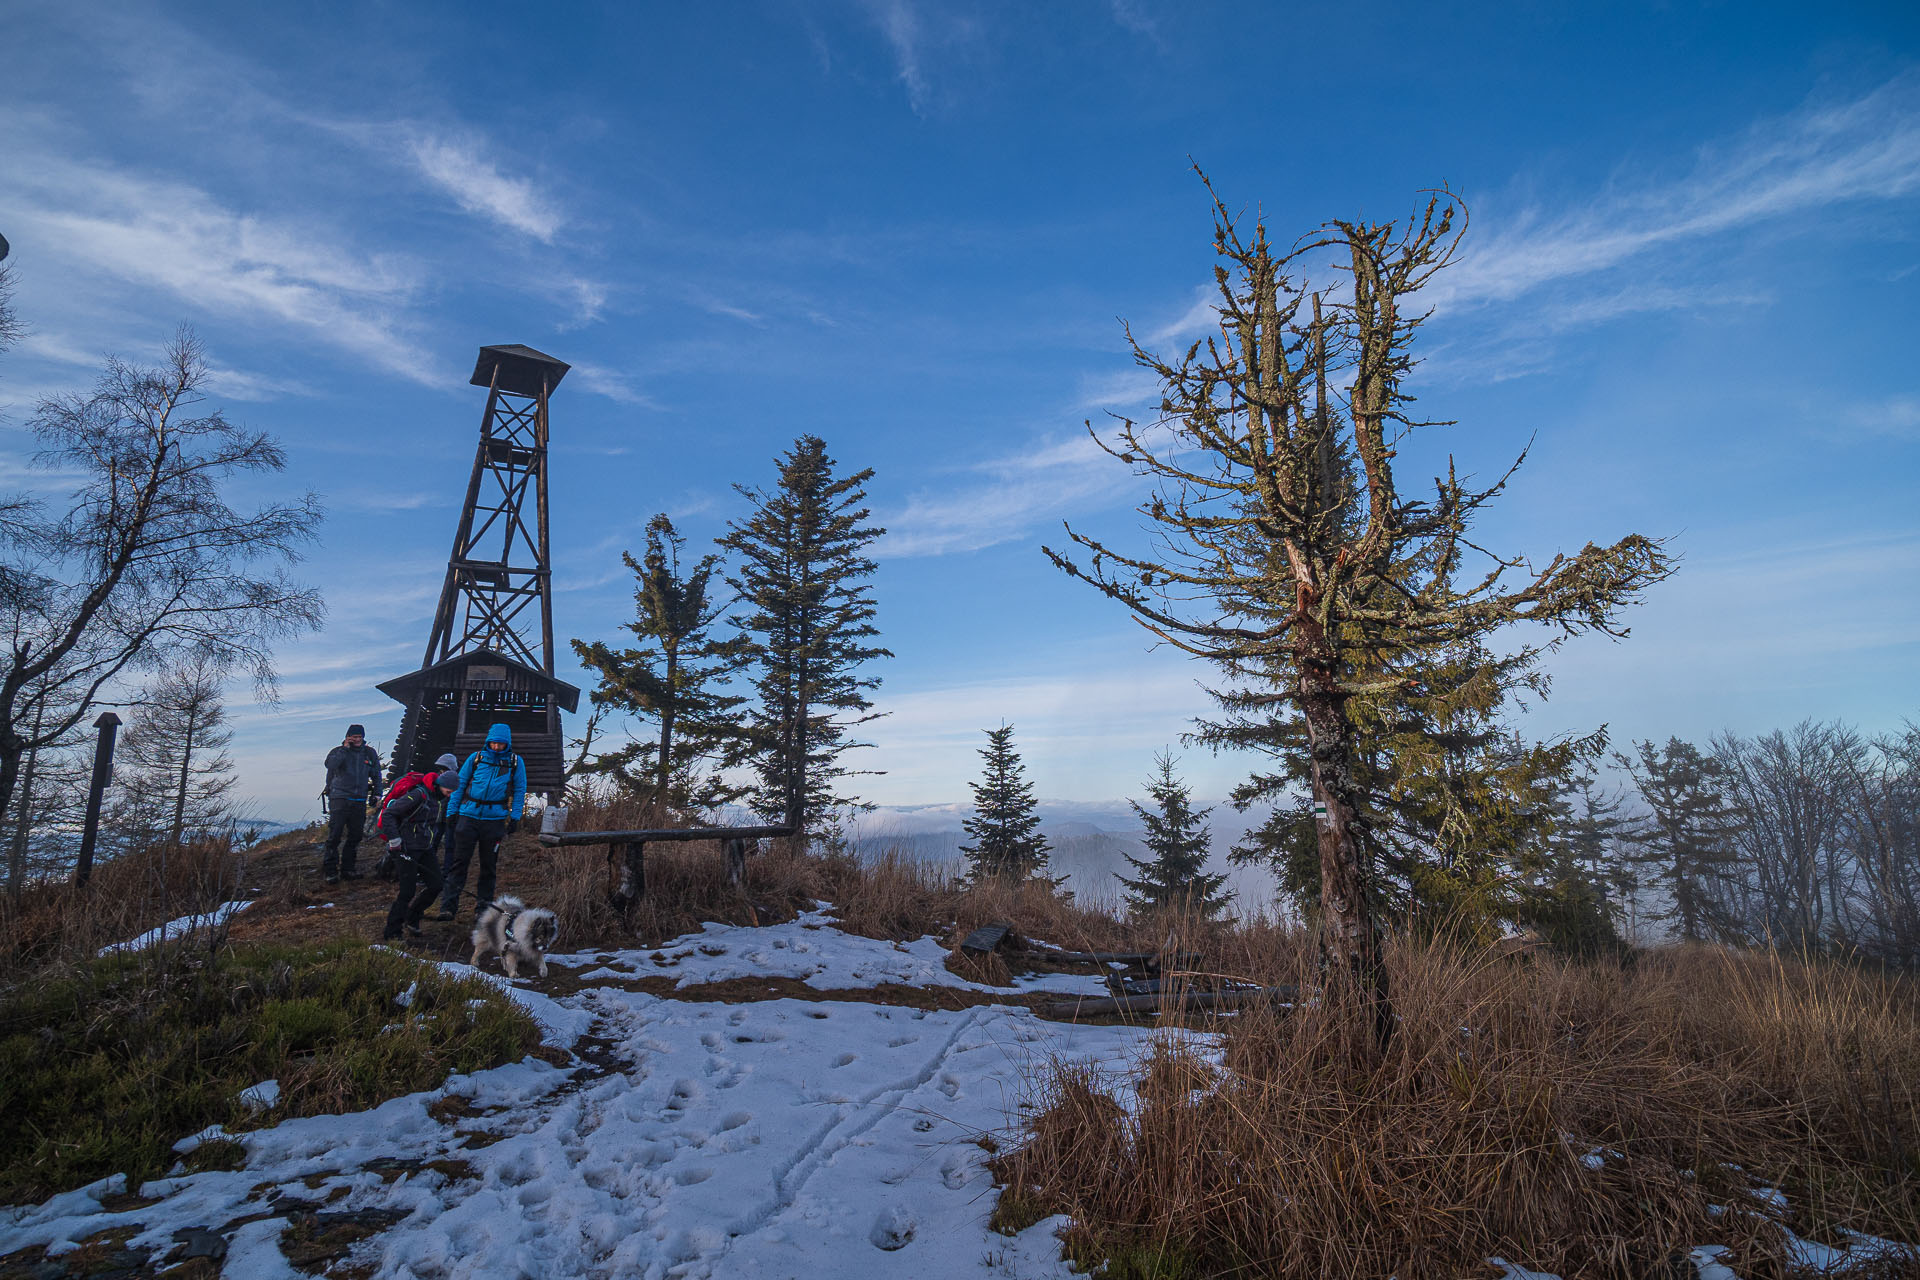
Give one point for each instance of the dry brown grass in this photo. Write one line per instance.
(54, 921)
(885, 897)
(1308, 1156)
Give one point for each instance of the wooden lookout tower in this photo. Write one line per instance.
(489, 658)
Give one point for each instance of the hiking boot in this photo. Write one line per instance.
(332, 879)
(415, 932)
(445, 913)
(352, 875)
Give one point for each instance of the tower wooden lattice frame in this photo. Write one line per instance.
(489, 655)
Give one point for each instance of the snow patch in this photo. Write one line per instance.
(176, 929)
(811, 949)
(264, 1096)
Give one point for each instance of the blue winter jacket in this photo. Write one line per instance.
(493, 784)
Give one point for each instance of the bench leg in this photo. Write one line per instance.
(633, 875)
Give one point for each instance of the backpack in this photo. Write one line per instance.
(399, 788)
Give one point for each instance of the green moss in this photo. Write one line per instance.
(105, 1067)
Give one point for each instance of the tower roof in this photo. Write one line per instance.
(522, 369)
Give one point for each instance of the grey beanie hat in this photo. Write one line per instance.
(448, 761)
(450, 780)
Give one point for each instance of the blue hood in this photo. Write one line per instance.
(501, 733)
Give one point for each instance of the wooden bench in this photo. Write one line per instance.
(629, 848)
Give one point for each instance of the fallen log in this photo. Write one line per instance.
(553, 839)
(1188, 1002)
(1151, 961)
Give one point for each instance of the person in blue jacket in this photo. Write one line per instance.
(485, 810)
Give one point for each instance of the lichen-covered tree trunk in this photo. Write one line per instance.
(1350, 951)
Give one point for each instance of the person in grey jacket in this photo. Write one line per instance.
(353, 778)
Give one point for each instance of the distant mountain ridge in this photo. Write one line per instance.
(1091, 841)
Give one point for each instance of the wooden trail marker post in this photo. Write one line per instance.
(109, 726)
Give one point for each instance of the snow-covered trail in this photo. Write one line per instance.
(770, 1138)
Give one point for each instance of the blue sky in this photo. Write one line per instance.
(1694, 274)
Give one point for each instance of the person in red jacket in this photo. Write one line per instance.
(389, 865)
(411, 816)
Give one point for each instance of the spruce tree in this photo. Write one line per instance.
(1175, 875)
(1263, 561)
(1005, 830)
(1685, 839)
(1457, 805)
(807, 627)
(675, 677)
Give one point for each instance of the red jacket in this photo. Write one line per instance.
(401, 787)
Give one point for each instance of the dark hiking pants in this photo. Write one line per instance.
(412, 867)
(344, 830)
(471, 835)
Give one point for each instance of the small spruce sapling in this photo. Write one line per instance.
(1175, 875)
(1005, 830)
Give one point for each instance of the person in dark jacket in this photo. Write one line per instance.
(410, 818)
(486, 808)
(353, 778)
(448, 762)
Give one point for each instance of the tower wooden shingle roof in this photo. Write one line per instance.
(521, 369)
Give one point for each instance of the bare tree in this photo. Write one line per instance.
(174, 776)
(1788, 791)
(44, 818)
(146, 560)
(1882, 817)
(1267, 563)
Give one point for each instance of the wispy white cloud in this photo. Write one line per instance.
(1121, 389)
(1005, 499)
(918, 34)
(900, 24)
(1525, 344)
(1897, 417)
(1200, 316)
(238, 384)
(223, 381)
(718, 306)
(1540, 270)
(1133, 16)
(1822, 155)
(590, 297)
(611, 383)
(459, 167)
(175, 237)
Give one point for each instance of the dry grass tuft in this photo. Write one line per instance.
(989, 969)
(53, 921)
(1582, 1119)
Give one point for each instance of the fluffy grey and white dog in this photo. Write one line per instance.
(515, 932)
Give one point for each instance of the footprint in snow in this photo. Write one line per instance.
(733, 1120)
(692, 1177)
(845, 1060)
(955, 1171)
(950, 1084)
(900, 1042)
(893, 1229)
